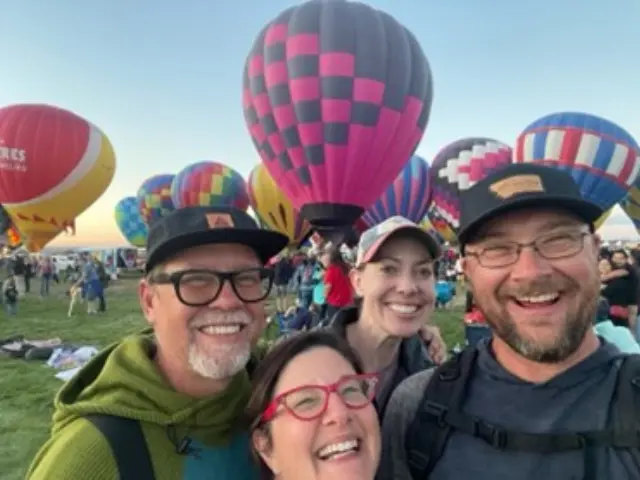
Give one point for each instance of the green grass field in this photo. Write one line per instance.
(27, 388)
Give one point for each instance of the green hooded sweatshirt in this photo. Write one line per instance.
(123, 381)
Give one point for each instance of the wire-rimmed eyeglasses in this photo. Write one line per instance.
(552, 246)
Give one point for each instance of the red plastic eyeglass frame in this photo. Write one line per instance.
(272, 408)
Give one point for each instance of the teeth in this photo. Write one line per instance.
(221, 329)
(547, 297)
(399, 308)
(338, 448)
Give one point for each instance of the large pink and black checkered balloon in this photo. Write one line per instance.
(336, 97)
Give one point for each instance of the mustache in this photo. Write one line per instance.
(220, 317)
(538, 286)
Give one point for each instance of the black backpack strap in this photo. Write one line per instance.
(128, 445)
(428, 434)
(625, 407)
(442, 407)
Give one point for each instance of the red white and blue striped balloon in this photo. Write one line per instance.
(602, 157)
(408, 196)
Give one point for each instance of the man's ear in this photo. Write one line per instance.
(597, 241)
(262, 446)
(464, 264)
(146, 297)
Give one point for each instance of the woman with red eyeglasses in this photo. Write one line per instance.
(311, 411)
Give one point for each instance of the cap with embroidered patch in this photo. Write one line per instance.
(521, 185)
(372, 239)
(194, 226)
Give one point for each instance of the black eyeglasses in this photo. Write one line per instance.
(199, 287)
(553, 246)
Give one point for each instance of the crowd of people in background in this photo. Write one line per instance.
(620, 287)
(22, 269)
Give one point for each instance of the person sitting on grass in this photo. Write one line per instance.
(10, 295)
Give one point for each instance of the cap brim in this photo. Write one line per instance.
(421, 235)
(265, 243)
(584, 209)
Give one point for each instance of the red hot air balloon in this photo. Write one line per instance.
(336, 97)
(53, 165)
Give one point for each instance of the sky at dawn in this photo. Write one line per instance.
(163, 79)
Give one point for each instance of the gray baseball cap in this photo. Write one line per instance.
(372, 239)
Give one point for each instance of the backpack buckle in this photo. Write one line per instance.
(494, 436)
(436, 411)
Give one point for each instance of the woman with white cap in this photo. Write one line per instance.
(394, 280)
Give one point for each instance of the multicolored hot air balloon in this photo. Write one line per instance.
(440, 225)
(53, 165)
(460, 165)
(603, 158)
(408, 196)
(428, 226)
(273, 208)
(209, 184)
(336, 118)
(154, 197)
(130, 222)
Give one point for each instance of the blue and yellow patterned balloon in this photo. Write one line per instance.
(130, 222)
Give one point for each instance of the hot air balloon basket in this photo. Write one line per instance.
(329, 216)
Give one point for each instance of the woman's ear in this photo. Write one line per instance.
(262, 446)
(355, 275)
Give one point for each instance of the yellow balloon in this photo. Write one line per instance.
(631, 206)
(598, 223)
(43, 218)
(445, 231)
(273, 208)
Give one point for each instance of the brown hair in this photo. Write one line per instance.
(335, 258)
(266, 375)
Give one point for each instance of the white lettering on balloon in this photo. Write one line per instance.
(13, 158)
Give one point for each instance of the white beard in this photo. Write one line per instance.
(220, 362)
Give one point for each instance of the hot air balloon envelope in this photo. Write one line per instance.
(130, 222)
(53, 165)
(457, 167)
(209, 184)
(603, 158)
(154, 198)
(336, 97)
(408, 196)
(273, 208)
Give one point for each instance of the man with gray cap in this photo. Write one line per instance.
(544, 398)
(169, 405)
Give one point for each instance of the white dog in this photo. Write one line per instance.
(75, 296)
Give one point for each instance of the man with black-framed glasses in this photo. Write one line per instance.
(545, 397)
(170, 405)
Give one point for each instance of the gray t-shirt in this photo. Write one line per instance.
(576, 400)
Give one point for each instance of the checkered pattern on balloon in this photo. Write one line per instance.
(335, 118)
